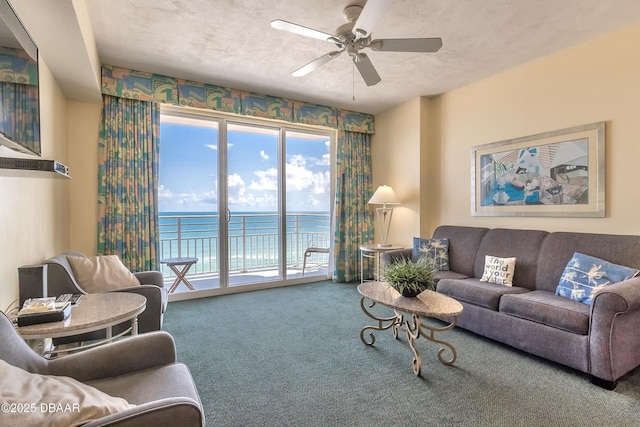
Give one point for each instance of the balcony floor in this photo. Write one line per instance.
(208, 282)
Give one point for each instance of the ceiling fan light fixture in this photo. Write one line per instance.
(337, 41)
(360, 34)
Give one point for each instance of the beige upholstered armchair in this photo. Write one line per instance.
(61, 280)
(132, 382)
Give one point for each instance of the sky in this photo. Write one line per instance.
(189, 169)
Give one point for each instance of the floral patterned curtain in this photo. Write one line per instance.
(353, 218)
(128, 152)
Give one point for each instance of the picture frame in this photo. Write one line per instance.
(559, 173)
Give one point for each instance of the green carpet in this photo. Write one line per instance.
(292, 356)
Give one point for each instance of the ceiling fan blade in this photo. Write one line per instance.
(316, 63)
(407, 45)
(279, 24)
(369, 17)
(366, 69)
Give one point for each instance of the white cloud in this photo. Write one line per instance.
(305, 189)
(164, 192)
(264, 155)
(189, 199)
(324, 161)
(235, 180)
(299, 178)
(267, 180)
(312, 201)
(212, 146)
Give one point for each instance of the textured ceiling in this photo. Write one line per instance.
(231, 43)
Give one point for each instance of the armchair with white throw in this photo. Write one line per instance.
(62, 277)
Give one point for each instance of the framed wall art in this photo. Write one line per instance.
(559, 173)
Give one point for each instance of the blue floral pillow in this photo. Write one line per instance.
(436, 250)
(585, 275)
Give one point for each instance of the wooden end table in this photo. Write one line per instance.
(428, 304)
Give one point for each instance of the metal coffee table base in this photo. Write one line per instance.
(414, 328)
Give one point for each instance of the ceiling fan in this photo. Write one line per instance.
(354, 36)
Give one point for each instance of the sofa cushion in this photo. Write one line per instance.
(524, 245)
(101, 273)
(436, 250)
(463, 244)
(558, 248)
(450, 275)
(585, 275)
(74, 403)
(547, 308)
(475, 292)
(498, 270)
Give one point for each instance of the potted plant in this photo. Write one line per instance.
(409, 277)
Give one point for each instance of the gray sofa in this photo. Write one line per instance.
(142, 370)
(61, 280)
(599, 339)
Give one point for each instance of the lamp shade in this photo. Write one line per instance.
(384, 195)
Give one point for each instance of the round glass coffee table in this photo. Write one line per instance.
(93, 312)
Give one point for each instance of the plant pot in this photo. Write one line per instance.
(411, 292)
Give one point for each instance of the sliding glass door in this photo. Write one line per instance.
(251, 200)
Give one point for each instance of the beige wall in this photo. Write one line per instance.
(395, 150)
(596, 81)
(84, 122)
(34, 210)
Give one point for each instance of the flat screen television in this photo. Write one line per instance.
(19, 94)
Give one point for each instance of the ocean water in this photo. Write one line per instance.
(253, 238)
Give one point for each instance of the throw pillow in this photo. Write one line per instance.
(498, 270)
(436, 250)
(585, 275)
(53, 400)
(101, 273)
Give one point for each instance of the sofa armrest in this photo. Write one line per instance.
(391, 257)
(164, 412)
(615, 320)
(150, 278)
(60, 278)
(118, 358)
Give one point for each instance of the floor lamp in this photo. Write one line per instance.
(384, 196)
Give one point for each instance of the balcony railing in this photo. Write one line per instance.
(253, 240)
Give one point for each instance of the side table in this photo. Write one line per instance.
(181, 273)
(94, 312)
(374, 252)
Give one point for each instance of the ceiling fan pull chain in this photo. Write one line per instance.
(353, 80)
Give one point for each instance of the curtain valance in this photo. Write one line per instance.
(144, 86)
